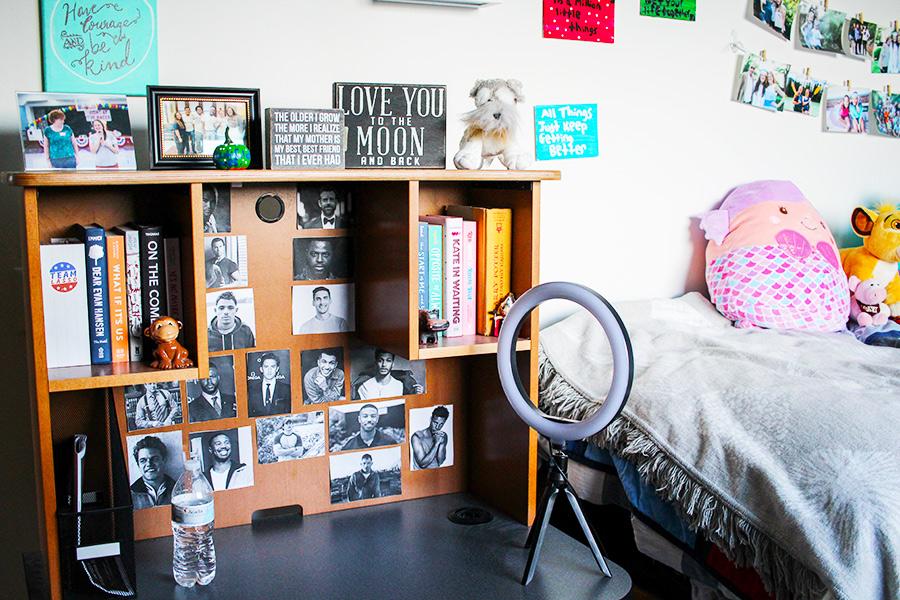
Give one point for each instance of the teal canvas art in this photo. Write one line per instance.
(99, 47)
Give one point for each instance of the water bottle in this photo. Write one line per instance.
(194, 560)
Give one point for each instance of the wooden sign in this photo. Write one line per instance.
(565, 131)
(304, 138)
(394, 125)
(584, 20)
(99, 47)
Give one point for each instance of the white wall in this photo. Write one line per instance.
(671, 141)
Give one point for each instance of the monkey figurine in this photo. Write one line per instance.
(169, 353)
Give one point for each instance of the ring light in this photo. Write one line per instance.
(623, 361)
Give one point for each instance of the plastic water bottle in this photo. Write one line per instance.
(194, 560)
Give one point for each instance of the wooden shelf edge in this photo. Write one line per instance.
(87, 178)
(67, 379)
(466, 346)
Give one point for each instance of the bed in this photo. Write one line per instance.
(780, 448)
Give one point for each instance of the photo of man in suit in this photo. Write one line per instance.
(268, 389)
(327, 211)
(211, 402)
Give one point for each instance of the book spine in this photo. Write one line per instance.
(174, 297)
(469, 256)
(453, 276)
(436, 269)
(153, 284)
(66, 323)
(118, 318)
(498, 258)
(98, 294)
(133, 294)
(423, 266)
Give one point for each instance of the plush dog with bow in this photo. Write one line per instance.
(493, 128)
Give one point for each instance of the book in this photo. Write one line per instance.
(423, 265)
(94, 238)
(469, 257)
(64, 290)
(133, 291)
(454, 308)
(118, 311)
(153, 282)
(494, 264)
(173, 278)
(436, 269)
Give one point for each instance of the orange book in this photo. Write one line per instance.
(118, 316)
(494, 264)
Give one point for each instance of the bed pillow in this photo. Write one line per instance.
(772, 262)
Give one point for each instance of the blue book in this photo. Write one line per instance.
(436, 269)
(423, 266)
(94, 238)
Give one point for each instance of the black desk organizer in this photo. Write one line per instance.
(96, 525)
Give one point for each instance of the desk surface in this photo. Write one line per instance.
(401, 550)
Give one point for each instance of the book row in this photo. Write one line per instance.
(101, 289)
(464, 266)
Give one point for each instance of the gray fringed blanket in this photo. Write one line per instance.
(782, 448)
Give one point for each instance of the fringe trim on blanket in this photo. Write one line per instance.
(739, 540)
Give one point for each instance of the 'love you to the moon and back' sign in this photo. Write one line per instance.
(102, 46)
(394, 125)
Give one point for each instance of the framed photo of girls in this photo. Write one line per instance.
(186, 124)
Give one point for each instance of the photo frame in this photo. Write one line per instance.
(174, 122)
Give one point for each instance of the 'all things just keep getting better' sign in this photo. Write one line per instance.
(566, 131)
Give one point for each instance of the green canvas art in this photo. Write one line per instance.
(682, 10)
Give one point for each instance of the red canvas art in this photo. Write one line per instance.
(584, 20)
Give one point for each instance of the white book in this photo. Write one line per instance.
(133, 291)
(64, 288)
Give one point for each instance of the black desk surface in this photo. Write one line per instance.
(393, 551)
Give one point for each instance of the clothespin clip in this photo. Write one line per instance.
(887, 89)
(826, 5)
(860, 18)
(764, 56)
(806, 72)
(848, 84)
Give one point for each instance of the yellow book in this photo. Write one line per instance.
(494, 263)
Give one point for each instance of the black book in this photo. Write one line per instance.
(153, 278)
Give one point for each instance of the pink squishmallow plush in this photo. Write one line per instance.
(772, 262)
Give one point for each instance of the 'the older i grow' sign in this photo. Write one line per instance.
(104, 47)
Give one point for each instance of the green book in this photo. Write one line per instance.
(436, 269)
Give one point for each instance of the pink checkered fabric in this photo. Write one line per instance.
(768, 286)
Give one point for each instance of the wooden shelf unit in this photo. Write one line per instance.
(497, 454)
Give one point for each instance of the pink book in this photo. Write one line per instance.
(470, 257)
(453, 272)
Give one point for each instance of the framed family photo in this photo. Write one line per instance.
(185, 125)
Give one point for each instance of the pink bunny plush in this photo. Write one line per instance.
(867, 305)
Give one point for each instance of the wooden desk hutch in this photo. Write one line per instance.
(496, 455)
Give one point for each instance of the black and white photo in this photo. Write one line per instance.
(226, 457)
(323, 375)
(155, 462)
(152, 405)
(225, 257)
(214, 397)
(268, 383)
(365, 475)
(377, 373)
(431, 441)
(322, 259)
(323, 207)
(290, 437)
(366, 425)
(216, 208)
(232, 319)
(322, 308)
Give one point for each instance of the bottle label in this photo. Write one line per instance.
(196, 514)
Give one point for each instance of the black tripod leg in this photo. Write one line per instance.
(587, 531)
(541, 509)
(542, 525)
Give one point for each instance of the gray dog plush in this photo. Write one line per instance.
(492, 129)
